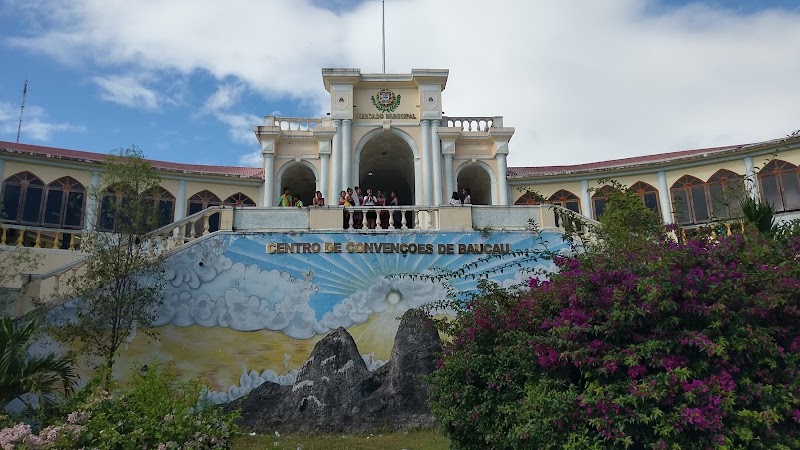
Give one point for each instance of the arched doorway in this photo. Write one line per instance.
(476, 177)
(300, 180)
(386, 164)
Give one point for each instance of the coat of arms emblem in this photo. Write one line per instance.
(386, 100)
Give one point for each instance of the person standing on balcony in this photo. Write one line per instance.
(319, 200)
(286, 198)
(466, 196)
(343, 201)
(384, 213)
(372, 217)
(358, 217)
(455, 200)
(397, 216)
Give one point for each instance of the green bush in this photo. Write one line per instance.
(154, 410)
(641, 344)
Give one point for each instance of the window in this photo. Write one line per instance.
(725, 194)
(199, 202)
(599, 200)
(780, 185)
(22, 198)
(566, 199)
(239, 199)
(64, 203)
(116, 208)
(164, 202)
(648, 194)
(689, 199)
(530, 198)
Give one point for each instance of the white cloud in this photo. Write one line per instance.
(35, 125)
(240, 126)
(243, 304)
(580, 81)
(127, 91)
(394, 296)
(225, 97)
(254, 159)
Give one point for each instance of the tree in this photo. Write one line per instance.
(120, 286)
(21, 373)
(642, 343)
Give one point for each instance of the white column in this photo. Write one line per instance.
(90, 222)
(336, 158)
(448, 174)
(502, 179)
(436, 151)
(586, 199)
(663, 198)
(180, 201)
(322, 184)
(269, 179)
(750, 179)
(347, 154)
(418, 181)
(427, 168)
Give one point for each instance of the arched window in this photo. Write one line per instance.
(780, 185)
(690, 202)
(64, 203)
(164, 202)
(530, 198)
(566, 199)
(201, 201)
(23, 194)
(648, 194)
(116, 208)
(725, 193)
(599, 200)
(239, 199)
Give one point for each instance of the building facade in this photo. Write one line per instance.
(253, 286)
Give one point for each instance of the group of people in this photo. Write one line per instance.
(287, 200)
(464, 199)
(354, 197)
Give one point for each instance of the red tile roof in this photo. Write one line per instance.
(619, 163)
(77, 155)
(514, 172)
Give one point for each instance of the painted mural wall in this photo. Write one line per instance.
(240, 309)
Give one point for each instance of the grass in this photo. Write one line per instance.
(409, 440)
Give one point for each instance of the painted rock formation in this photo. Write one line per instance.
(335, 392)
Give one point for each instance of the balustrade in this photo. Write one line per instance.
(389, 218)
(293, 123)
(39, 237)
(473, 123)
(712, 230)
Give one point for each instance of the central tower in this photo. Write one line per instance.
(387, 132)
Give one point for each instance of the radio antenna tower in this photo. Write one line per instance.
(22, 108)
(383, 32)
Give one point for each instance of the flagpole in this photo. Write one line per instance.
(383, 32)
(22, 108)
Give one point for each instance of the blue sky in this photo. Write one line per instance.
(581, 81)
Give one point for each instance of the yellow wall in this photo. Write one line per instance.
(409, 100)
(48, 173)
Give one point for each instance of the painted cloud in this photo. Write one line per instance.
(249, 299)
